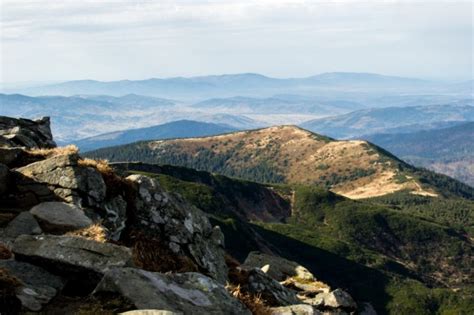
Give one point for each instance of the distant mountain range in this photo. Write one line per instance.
(250, 84)
(392, 120)
(176, 129)
(449, 150)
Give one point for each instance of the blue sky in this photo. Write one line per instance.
(46, 40)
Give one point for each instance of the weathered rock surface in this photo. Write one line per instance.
(297, 309)
(188, 293)
(337, 299)
(26, 133)
(4, 178)
(270, 289)
(60, 217)
(115, 216)
(9, 155)
(24, 223)
(71, 254)
(62, 177)
(184, 228)
(38, 285)
(277, 267)
(151, 312)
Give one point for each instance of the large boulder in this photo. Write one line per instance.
(187, 293)
(277, 267)
(337, 299)
(61, 177)
(183, 228)
(24, 223)
(26, 133)
(270, 289)
(9, 155)
(70, 254)
(60, 217)
(38, 285)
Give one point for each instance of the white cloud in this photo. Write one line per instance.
(133, 39)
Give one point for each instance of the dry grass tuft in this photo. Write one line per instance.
(8, 286)
(47, 153)
(95, 232)
(5, 253)
(237, 287)
(153, 255)
(254, 303)
(115, 184)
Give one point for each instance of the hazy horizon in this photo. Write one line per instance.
(116, 40)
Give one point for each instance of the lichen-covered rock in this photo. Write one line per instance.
(270, 289)
(187, 293)
(184, 228)
(115, 216)
(277, 267)
(24, 223)
(26, 133)
(38, 285)
(337, 299)
(297, 309)
(71, 254)
(60, 217)
(4, 179)
(62, 177)
(151, 312)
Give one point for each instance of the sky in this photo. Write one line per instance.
(51, 40)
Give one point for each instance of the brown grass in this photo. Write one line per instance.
(116, 185)
(95, 232)
(254, 303)
(47, 153)
(153, 255)
(237, 287)
(8, 282)
(5, 253)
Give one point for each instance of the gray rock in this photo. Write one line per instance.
(9, 155)
(277, 267)
(4, 179)
(367, 309)
(24, 223)
(38, 285)
(115, 217)
(60, 217)
(26, 133)
(61, 177)
(188, 293)
(183, 227)
(71, 254)
(297, 309)
(151, 312)
(270, 289)
(337, 299)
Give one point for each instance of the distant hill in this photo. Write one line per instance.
(246, 84)
(392, 120)
(282, 104)
(171, 130)
(449, 151)
(288, 154)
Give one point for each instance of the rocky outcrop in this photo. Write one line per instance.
(184, 228)
(187, 293)
(277, 267)
(61, 177)
(71, 254)
(26, 133)
(24, 223)
(4, 179)
(60, 217)
(38, 285)
(270, 289)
